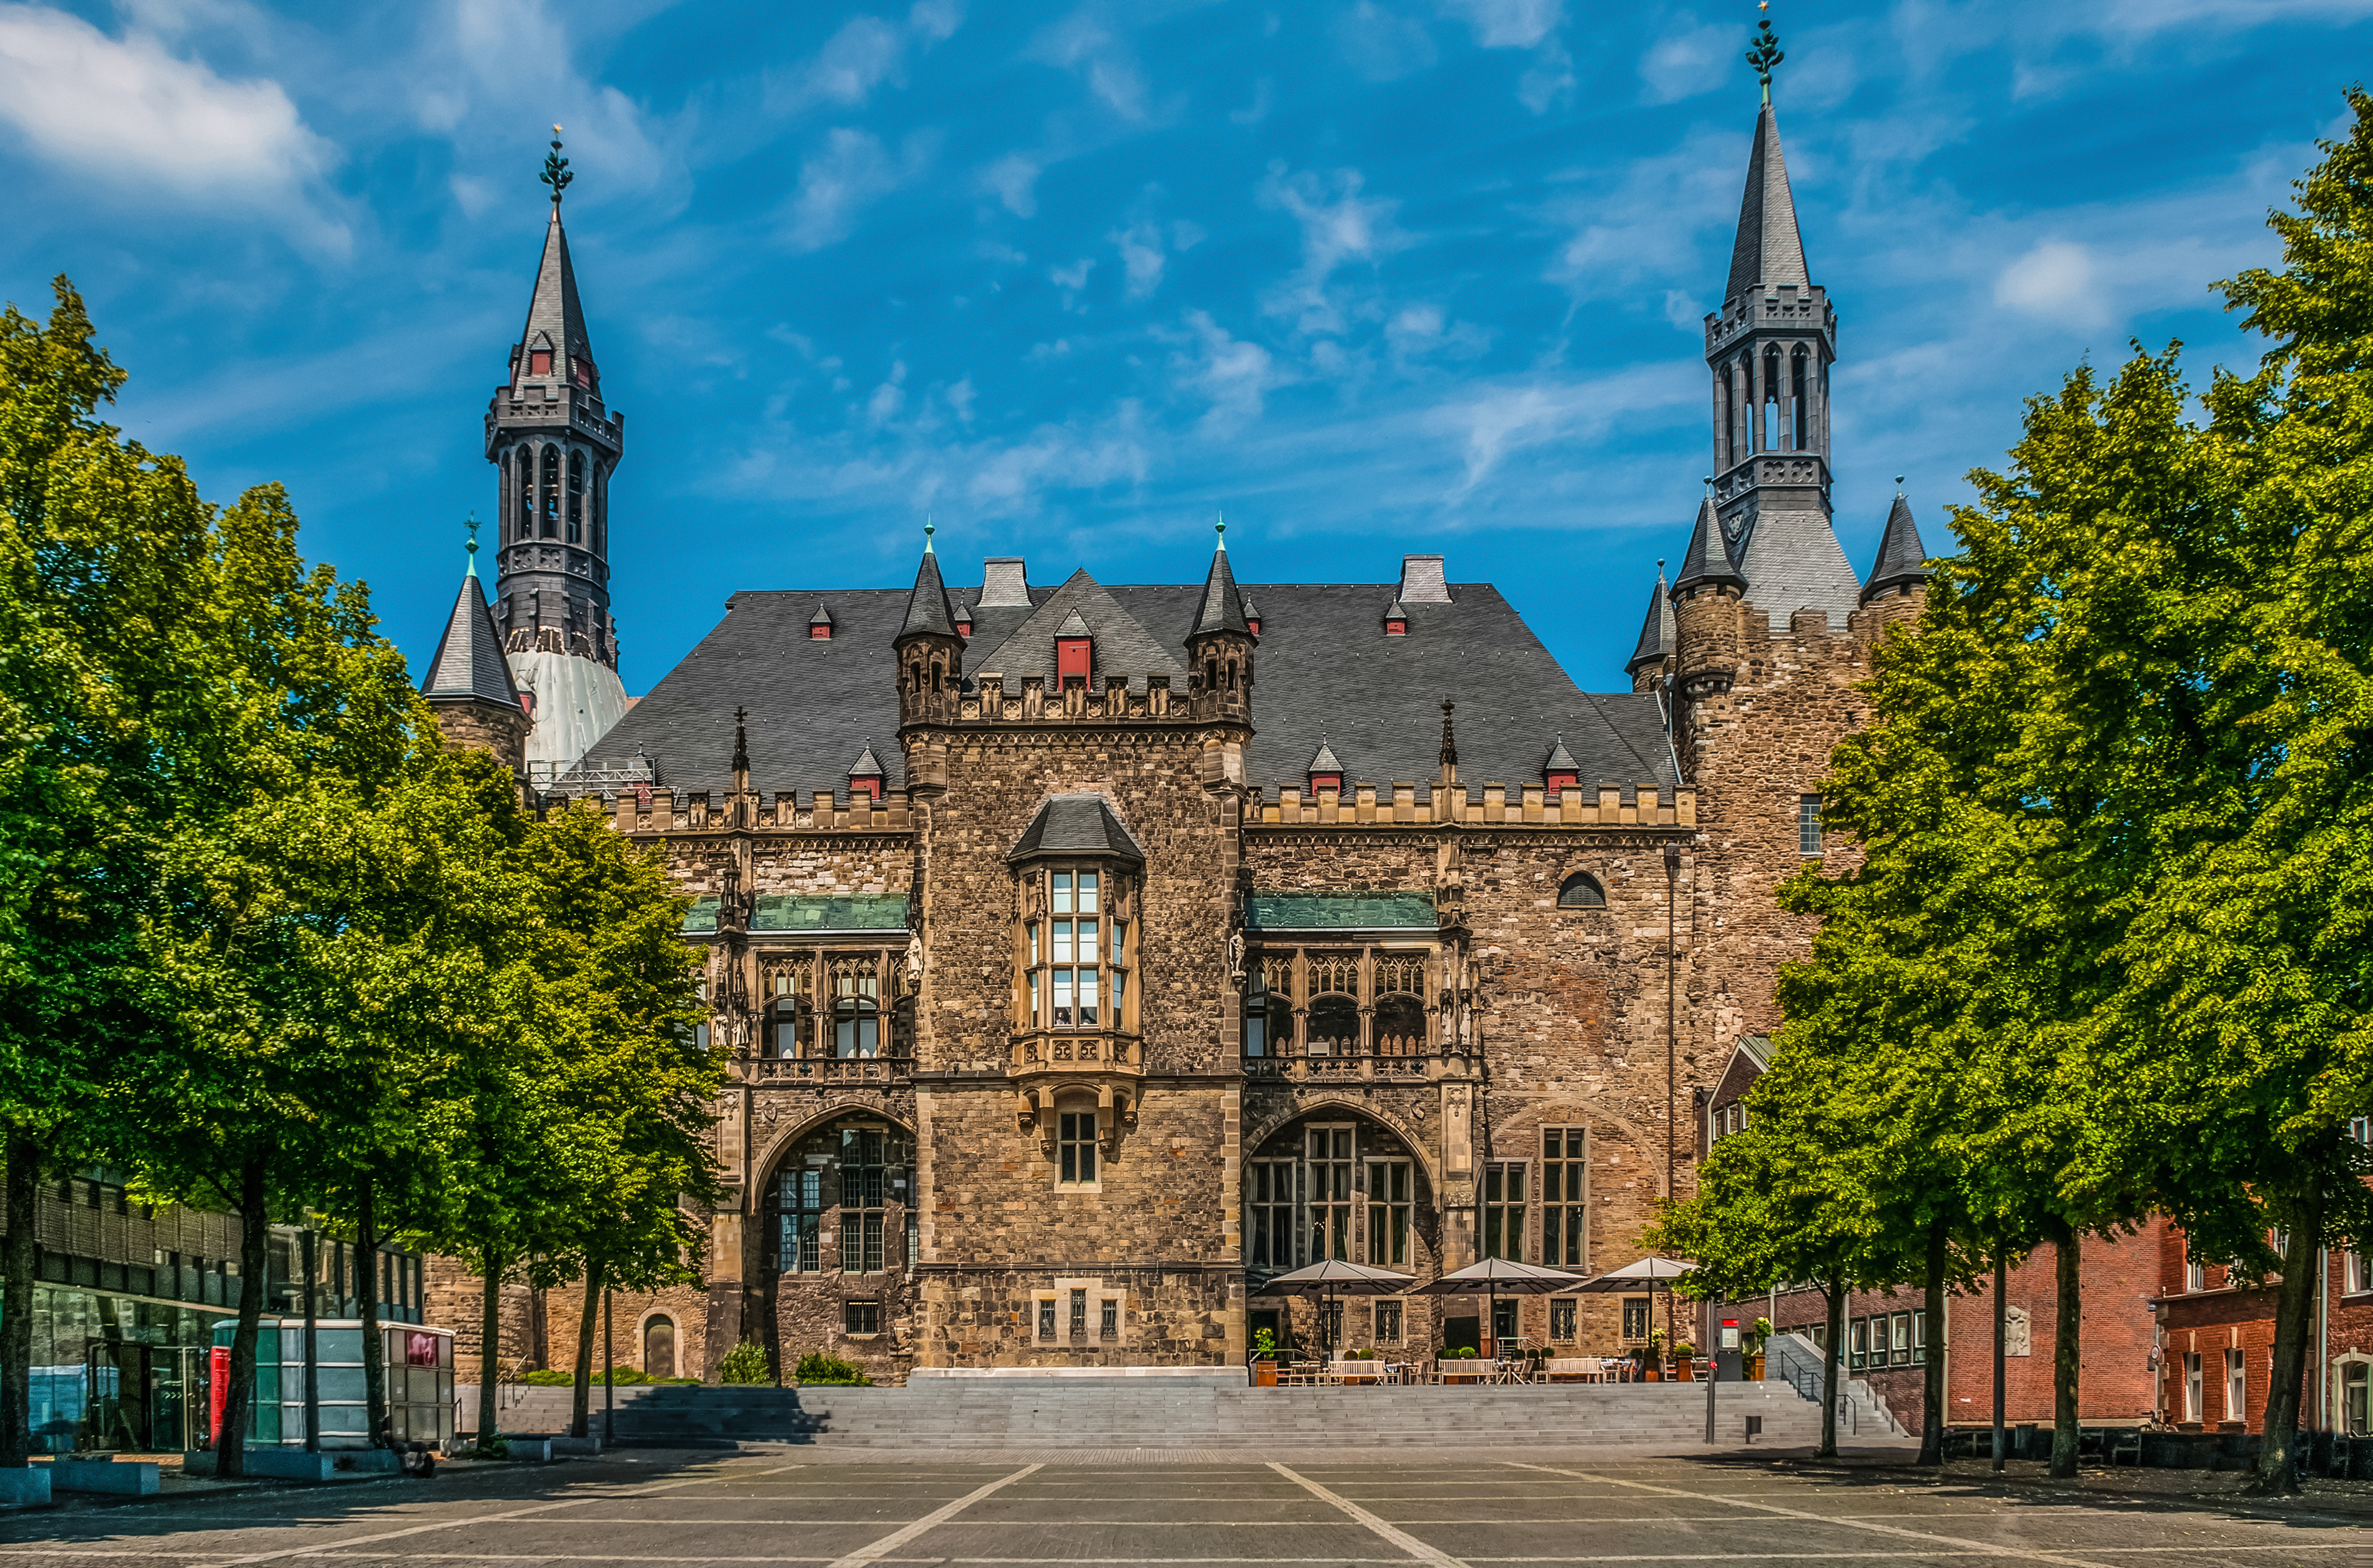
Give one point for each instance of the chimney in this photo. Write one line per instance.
(1421, 581)
(1004, 583)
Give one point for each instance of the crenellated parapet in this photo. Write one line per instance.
(666, 811)
(1650, 805)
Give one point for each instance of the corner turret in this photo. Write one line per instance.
(1898, 589)
(929, 647)
(468, 685)
(1220, 648)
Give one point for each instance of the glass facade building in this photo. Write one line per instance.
(131, 1305)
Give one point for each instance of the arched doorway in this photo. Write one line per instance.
(1335, 1184)
(659, 1347)
(841, 1234)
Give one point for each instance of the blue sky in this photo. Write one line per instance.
(1374, 276)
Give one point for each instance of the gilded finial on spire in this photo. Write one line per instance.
(1765, 53)
(556, 168)
(471, 546)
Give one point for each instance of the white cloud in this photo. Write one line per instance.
(1082, 43)
(1508, 24)
(1650, 223)
(935, 21)
(482, 60)
(1498, 421)
(1548, 80)
(128, 114)
(1346, 227)
(1383, 46)
(1142, 258)
(1233, 376)
(889, 397)
(1014, 180)
(849, 173)
(1687, 60)
(863, 54)
(2055, 281)
(1074, 277)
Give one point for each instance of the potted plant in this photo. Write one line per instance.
(1462, 1367)
(1652, 1356)
(1264, 1359)
(1685, 1362)
(1758, 1336)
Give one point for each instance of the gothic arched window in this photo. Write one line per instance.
(551, 514)
(1726, 400)
(1770, 403)
(1580, 891)
(524, 508)
(1796, 400)
(577, 498)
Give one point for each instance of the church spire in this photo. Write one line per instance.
(1768, 253)
(1223, 608)
(929, 613)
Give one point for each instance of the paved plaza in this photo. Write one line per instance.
(1145, 1508)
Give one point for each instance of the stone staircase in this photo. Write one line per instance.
(1194, 1412)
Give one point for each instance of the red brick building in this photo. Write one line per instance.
(2216, 1345)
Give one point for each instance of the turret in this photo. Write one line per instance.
(1650, 659)
(468, 685)
(1220, 648)
(929, 648)
(1706, 607)
(1898, 589)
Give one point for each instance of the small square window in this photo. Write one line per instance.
(1808, 826)
(861, 1318)
(1388, 1323)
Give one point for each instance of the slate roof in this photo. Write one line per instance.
(1708, 559)
(1793, 561)
(1769, 252)
(1339, 911)
(1325, 670)
(1223, 608)
(1123, 645)
(928, 610)
(1323, 760)
(1656, 634)
(1902, 557)
(1561, 760)
(552, 311)
(469, 661)
(1076, 824)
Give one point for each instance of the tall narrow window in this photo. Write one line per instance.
(2194, 1398)
(1900, 1340)
(1808, 826)
(1268, 1213)
(1075, 1147)
(1108, 1327)
(2236, 1387)
(1045, 1318)
(1796, 401)
(1858, 1344)
(1330, 1193)
(577, 498)
(1638, 1315)
(550, 515)
(1726, 400)
(2356, 1411)
(800, 1203)
(1563, 1208)
(1503, 1211)
(2195, 1274)
(523, 504)
(1079, 1314)
(862, 1179)
(856, 1010)
(1770, 403)
(1389, 1214)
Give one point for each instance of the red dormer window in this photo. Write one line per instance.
(1395, 620)
(1558, 783)
(869, 788)
(820, 626)
(539, 361)
(963, 625)
(582, 370)
(1074, 650)
(1321, 783)
(1252, 624)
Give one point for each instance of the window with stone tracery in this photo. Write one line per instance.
(1329, 1002)
(866, 1011)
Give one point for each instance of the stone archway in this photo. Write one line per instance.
(1337, 1180)
(837, 1212)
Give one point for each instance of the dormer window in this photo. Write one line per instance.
(1324, 772)
(1252, 613)
(1074, 650)
(539, 361)
(963, 623)
(865, 777)
(820, 626)
(1395, 620)
(1560, 773)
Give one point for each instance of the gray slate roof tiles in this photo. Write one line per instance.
(469, 660)
(1902, 557)
(1769, 252)
(1076, 824)
(1324, 669)
(1793, 561)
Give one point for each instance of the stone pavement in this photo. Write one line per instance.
(1148, 1507)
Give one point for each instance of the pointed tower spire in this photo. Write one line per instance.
(1708, 563)
(1769, 252)
(468, 683)
(1656, 632)
(1223, 608)
(1902, 560)
(929, 613)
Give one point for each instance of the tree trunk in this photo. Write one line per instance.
(2002, 1327)
(2068, 1255)
(374, 1342)
(2294, 1306)
(582, 1413)
(490, 1344)
(17, 1303)
(1834, 1373)
(239, 1399)
(312, 1348)
(1932, 1389)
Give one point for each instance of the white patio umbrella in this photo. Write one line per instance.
(1333, 1276)
(1649, 1273)
(1497, 1277)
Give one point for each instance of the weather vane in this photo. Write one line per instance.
(556, 167)
(1763, 56)
(473, 546)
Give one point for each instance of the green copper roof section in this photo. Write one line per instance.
(850, 912)
(1340, 911)
(702, 916)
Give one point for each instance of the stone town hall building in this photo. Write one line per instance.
(1089, 954)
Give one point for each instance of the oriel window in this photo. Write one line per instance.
(1076, 953)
